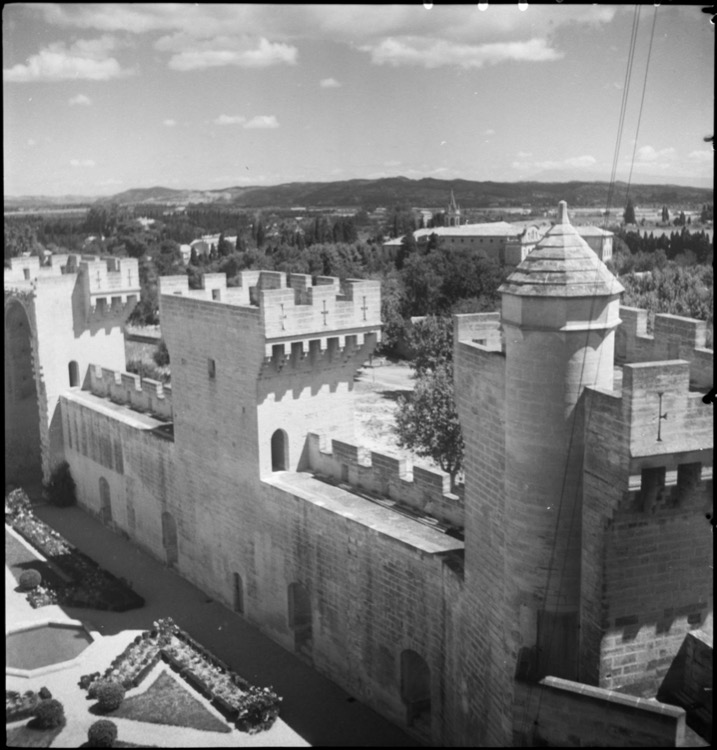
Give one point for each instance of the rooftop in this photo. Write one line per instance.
(562, 264)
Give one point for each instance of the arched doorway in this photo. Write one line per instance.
(169, 538)
(416, 690)
(238, 593)
(300, 620)
(279, 451)
(23, 462)
(105, 502)
(74, 373)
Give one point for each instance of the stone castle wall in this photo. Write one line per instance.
(387, 477)
(647, 546)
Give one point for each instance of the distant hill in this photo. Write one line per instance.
(392, 191)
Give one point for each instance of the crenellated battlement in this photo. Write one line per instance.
(140, 394)
(28, 269)
(393, 481)
(674, 337)
(297, 316)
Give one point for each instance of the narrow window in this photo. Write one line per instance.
(216, 294)
(211, 368)
(238, 591)
(279, 451)
(74, 371)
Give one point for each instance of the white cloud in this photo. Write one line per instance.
(573, 162)
(82, 163)
(701, 157)
(490, 131)
(169, 123)
(392, 163)
(216, 53)
(256, 122)
(329, 83)
(230, 120)
(262, 121)
(650, 154)
(256, 35)
(524, 154)
(434, 53)
(86, 59)
(81, 100)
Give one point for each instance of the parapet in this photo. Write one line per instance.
(292, 309)
(110, 287)
(478, 328)
(141, 394)
(28, 268)
(674, 337)
(391, 481)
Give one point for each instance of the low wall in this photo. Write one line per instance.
(142, 394)
(422, 489)
(561, 713)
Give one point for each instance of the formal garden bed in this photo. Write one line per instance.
(251, 709)
(79, 582)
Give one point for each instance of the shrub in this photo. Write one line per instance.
(30, 579)
(109, 695)
(60, 489)
(44, 694)
(161, 355)
(102, 733)
(49, 713)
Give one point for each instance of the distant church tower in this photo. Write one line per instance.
(453, 213)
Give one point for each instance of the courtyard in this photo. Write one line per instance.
(314, 711)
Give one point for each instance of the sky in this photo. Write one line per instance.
(101, 98)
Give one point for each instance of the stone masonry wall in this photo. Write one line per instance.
(485, 672)
(388, 477)
(142, 394)
(674, 337)
(561, 713)
(136, 464)
(647, 555)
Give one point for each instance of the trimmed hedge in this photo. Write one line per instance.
(49, 713)
(109, 695)
(30, 579)
(102, 733)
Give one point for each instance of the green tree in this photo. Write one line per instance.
(431, 340)
(427, 422)
(665, 215)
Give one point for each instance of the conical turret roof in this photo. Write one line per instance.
(562, 264)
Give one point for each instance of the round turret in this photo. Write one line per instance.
(560, 309)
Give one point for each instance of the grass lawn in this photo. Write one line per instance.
(24, 736)
(167, 701)
(19, 558)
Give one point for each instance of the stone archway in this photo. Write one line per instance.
(169, 538)
(416, 690)
(279, 451)
(105, 502)
(300, 617)
(23, 441)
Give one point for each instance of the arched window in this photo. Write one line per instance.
(416, 690)
(169, 538)
(238, 593)
(74, 374)
(300, 620)
(105, 502)
(279, 451)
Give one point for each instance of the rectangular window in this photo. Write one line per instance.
(211, 368)
(216, 294)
